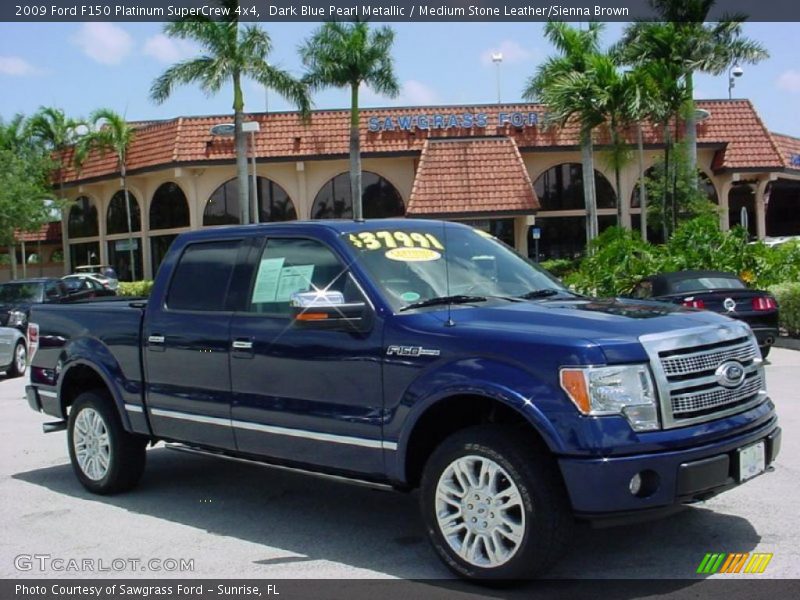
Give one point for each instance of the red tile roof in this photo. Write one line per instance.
(749, 143)
(734, 125)
(789, 148)
(471, 176)
(49, 232)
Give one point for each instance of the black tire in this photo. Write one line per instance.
(765, 351)
(126, 451)
(13, 369)
(548, 518)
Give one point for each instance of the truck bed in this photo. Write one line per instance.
(112, 327)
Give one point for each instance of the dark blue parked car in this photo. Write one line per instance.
(415, 354)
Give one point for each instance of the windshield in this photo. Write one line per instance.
(417, 264)
(21, 292)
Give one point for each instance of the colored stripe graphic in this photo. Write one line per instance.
(758, 563)
(711, 563)
(721, 562)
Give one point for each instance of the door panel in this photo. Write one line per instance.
(300, 394)
(187, 348)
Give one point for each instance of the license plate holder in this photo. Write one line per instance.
(752, 460)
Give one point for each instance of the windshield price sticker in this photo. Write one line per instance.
(388, 240)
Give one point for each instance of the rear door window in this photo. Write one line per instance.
(202, 276)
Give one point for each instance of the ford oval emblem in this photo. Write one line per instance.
(730, 374)
(729, 304)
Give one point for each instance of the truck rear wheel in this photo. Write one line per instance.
(494, 505)
(106, 458)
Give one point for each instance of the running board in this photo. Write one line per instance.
(339, 478)
(54, 426)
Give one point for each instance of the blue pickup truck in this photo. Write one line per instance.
(415, 354)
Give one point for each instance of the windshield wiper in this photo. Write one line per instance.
(457, 299)
(545, 293)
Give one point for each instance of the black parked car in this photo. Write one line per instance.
(721, 292)
(17, 297)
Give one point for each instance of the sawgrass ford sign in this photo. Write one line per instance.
(467, 120)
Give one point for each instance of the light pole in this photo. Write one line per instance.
(497, 58)
(735, 72)
(251, 127)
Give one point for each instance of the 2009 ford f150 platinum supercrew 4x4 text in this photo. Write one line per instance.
(417, 354)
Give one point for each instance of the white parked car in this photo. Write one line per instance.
(13, 352)
(105, 273)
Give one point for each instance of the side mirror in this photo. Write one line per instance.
(328, 310)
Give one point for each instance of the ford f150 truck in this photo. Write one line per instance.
(415, 354)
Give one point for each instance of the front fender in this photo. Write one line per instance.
(514, 386)
(91, 352)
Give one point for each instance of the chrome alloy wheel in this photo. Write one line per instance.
(20, 358)
(92, 446)
(479, 511)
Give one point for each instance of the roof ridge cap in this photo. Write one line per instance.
(781, 160)
(422, 154)
(176, 143)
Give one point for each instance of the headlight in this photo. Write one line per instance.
(624, 390)
(16, 318)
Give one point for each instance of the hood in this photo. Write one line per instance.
(613, 324)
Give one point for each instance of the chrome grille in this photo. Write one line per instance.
(685, 365)
(715, 398)
(697, 362)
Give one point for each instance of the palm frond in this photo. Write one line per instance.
(201, 70)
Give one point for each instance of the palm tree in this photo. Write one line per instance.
(566, 85)
(346, 55)
(231, 53)
(56, 132)
(620, 99)
(112, 133)
(694, 47)
(14, 134)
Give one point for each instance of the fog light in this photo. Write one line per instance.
(635, 484)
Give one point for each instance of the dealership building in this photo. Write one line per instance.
(498, 167)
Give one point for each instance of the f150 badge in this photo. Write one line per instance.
(411, 351)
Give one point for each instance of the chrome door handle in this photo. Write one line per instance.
(242, 345)
(155, 339)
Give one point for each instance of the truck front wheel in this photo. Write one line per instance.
(106, 458)
(494, 505)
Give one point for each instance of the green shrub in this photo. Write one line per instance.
(138, 289)
(618, 258)
(560, 267)
(788, 296)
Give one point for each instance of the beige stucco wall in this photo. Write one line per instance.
(303, 179)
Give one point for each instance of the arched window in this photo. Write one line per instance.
(274, 204)
(561, 188)
(379, 198)
(704, 183)
(169, 208)
(117, 218)
(82, 221)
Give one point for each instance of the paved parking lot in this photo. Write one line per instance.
(241, 521)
